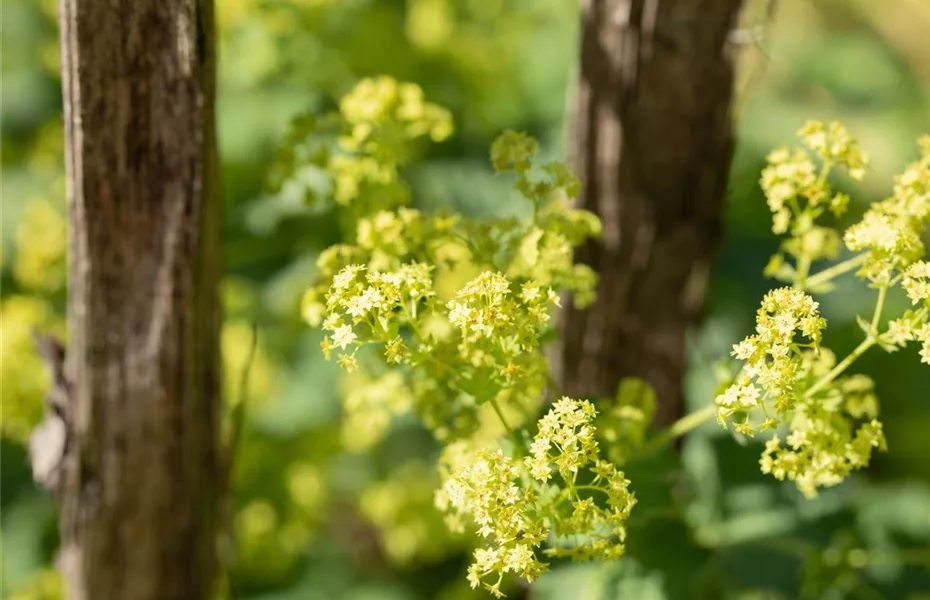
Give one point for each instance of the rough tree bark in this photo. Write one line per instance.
(141, 474)
(652, 143)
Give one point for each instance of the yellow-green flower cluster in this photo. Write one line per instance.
(912, 187)
(831, 433)
(330, 262)
(352, 157)
(544, 252)
(788, 176)
(565, 439)
(517, 504)
(890, 231)
(500, 329)
(460, 352)
(387, 236)
(835, 146)
(487, 490)
(482, 344)
(890, 242)
(798, 193)
(382, 109)
(916, 282)
(832, 421)
(565, 443)
(491, 345)
(375, 305)
(914, 325)
(890, 234)
(787, 322)
(513, 151)
(791, 380)
(39, 271)
(382, 117)
(383, 241)
(787, 376)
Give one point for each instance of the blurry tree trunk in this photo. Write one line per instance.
(140, 475)
(652, 143)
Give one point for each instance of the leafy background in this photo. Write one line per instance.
(315, 521)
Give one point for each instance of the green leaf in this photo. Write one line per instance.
(481, 386)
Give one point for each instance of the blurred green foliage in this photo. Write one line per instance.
(316, 521)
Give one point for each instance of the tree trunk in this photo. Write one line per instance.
(141, 473)
(652, 143)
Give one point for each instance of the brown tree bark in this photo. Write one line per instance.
(652, 143)
(141, 474)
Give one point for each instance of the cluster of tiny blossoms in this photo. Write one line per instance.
(382, 118)
(831, 433)
(561, 491)
(352, 158)
(788, 377)
(595, 501)
(453, 353)
(500, 329)
(915, 324)
(787, 322)
(372, 308)
(486, 488)
(496, 348)
(543, 253)
(890, 232)
(798, 194)
(380, 297)
(456, 352)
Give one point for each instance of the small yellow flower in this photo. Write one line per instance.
(343, 336)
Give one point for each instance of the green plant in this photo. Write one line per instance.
(469, 360)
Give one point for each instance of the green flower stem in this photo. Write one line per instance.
(867, 343)
(835, 271)
(679, 428)
(592, 488)
(879, 307)
(842, 366)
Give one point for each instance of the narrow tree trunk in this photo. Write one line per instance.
(652, 142)
(141, 472)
